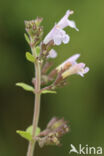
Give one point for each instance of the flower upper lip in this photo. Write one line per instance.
(71, 60)
(64, 22)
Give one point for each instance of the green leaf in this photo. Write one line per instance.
(28, 133)
(38, 50)
(30, 128)
(48, 91)
(27, 38)
(25, 135)
(25, 86)
(38, 131)
(30, 57)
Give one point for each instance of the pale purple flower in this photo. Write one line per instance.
(57, 34)
(72, 67)
(78, 68)
(52, 54)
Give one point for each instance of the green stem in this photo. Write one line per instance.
(36, 108)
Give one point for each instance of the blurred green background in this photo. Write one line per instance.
(81, 102)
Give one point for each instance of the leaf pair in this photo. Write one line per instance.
(31, 89)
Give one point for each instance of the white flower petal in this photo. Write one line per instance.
(73, 58)
(52, 54)
(83, 71)
(66, 39)
(86, 70)
(50, 35)
(57, 40)
(72, 25)
(81, 74)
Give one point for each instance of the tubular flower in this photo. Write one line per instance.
(78, 68)
(57, 34)
(70, 67)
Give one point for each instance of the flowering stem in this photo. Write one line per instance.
(36, 108)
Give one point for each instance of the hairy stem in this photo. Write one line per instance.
(36, 108)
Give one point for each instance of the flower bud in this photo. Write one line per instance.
(38, 21)
(34, 30)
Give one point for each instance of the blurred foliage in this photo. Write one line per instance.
(81, 102)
